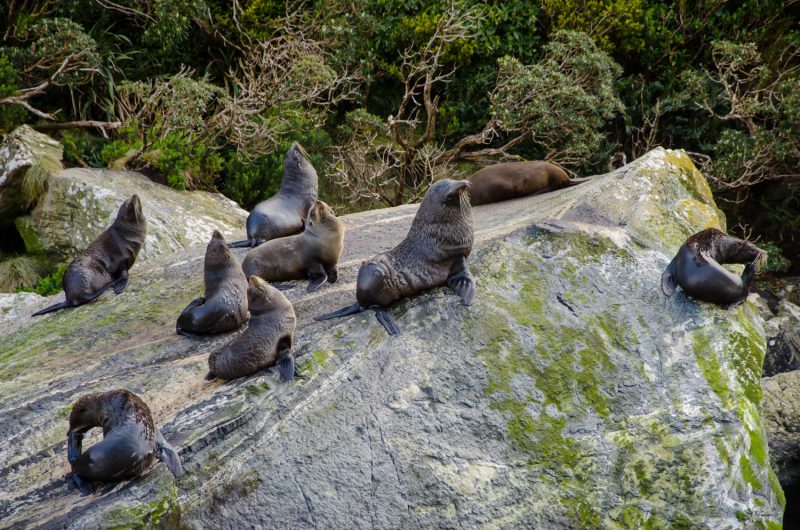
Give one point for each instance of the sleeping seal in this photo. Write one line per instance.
(508, 180)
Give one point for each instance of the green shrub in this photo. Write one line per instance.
(20, 273)
(11, 116)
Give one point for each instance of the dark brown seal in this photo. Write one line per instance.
(313, 254)
(434, 253)
(131, 441)
(106, 261)
(266, 341)
(282, 214)
(697, 268)
(224, 306)
(508, 180)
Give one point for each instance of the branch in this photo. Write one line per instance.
(102, 125)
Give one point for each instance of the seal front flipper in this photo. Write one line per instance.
(74, 443)
(462, 282)
(386, 319)
(56, 307)
(168, 455)
(120, 283)
(343, 312)
(668, 280)
(316, 277)
(85, 487)
(286, 365)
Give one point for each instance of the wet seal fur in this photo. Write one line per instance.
(697, 268)
(313, 254)
(508, 180)
(266, 341)
(282, 214)
(434, 253)
(106, 261)
(131, 441)
(224, 306)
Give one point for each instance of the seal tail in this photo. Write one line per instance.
(343, 312)
(55, 307)
(168, 455)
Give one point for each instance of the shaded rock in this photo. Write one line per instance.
(783, 340)
(781, 407)
(571, 394)
(27, 158)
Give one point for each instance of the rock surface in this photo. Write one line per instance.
(571, 394)
(782, 416)
(783, 340)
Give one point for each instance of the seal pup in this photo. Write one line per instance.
(224, 306)
(697, 268)
(508, 180)
(283, 214)
(434, 253)
(131, 441)
(266, 341)
(107, 259)
(312, 254)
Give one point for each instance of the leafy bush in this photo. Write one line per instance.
(11, 116)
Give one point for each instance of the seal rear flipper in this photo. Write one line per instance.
(386, 319)
(120, 283)
(668, 280)
(464, 285)
(168, 455)
(84, 486)
(286, 365)
(343, 312)
(245, 243)
(210, 376)
(55, 307)
(282, 286)
(316, 278)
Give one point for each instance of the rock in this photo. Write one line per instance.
(781, 407)
(571, 394)
(81, 203)
(783, 340)
(27, 158)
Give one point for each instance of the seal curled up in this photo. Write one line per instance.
(224, 306)
(697, 268)
(312, 254)
(130, 444)
(106, 261)
(283, 214)
(434, 253)
(266, 341)
(508, 180)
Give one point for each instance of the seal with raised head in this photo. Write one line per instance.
(312, 254)
(106, 261)
(282, 214)
(508, 180)
(267, 341)
(224, 306)
(697, 268)
(434, 253)
(131, 441)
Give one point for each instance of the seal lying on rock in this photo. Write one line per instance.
(508, 180)
(266, 341)
(312, 254)
(131, 442)
(434, 253)
(282, 214)
(106, 261)
(224, 306)
(697, 268)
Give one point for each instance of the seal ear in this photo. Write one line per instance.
(668, 280)
(167, 454)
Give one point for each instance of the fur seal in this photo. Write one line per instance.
(434, 253)
(130, 443)
(508, 180)
(266, 341)
(106, 261)
(312, 254)
(224, 306)
(283, 214)
(697, 268)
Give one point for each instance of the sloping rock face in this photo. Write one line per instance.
(571, 394)
(783, 340)
(782, 414)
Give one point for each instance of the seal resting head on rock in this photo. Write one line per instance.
(313, 254)
(131, 442)
(697, 268)
(224, 306)
(282, 214)
(508, 180)
(434, 253)
(106, 261)
(266, 341)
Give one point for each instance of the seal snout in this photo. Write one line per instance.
(459, 186)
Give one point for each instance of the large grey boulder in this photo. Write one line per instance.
(782, 417)
(783, 340)
(570, 395)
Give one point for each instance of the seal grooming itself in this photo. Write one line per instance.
(434, 253)
(312, 254)
(106, 261)
(224, 306)
(282, 214)
(266, 341)
(697, 268)
(508, 180)
(131, 442)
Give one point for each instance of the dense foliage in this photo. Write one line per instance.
(388, 95)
